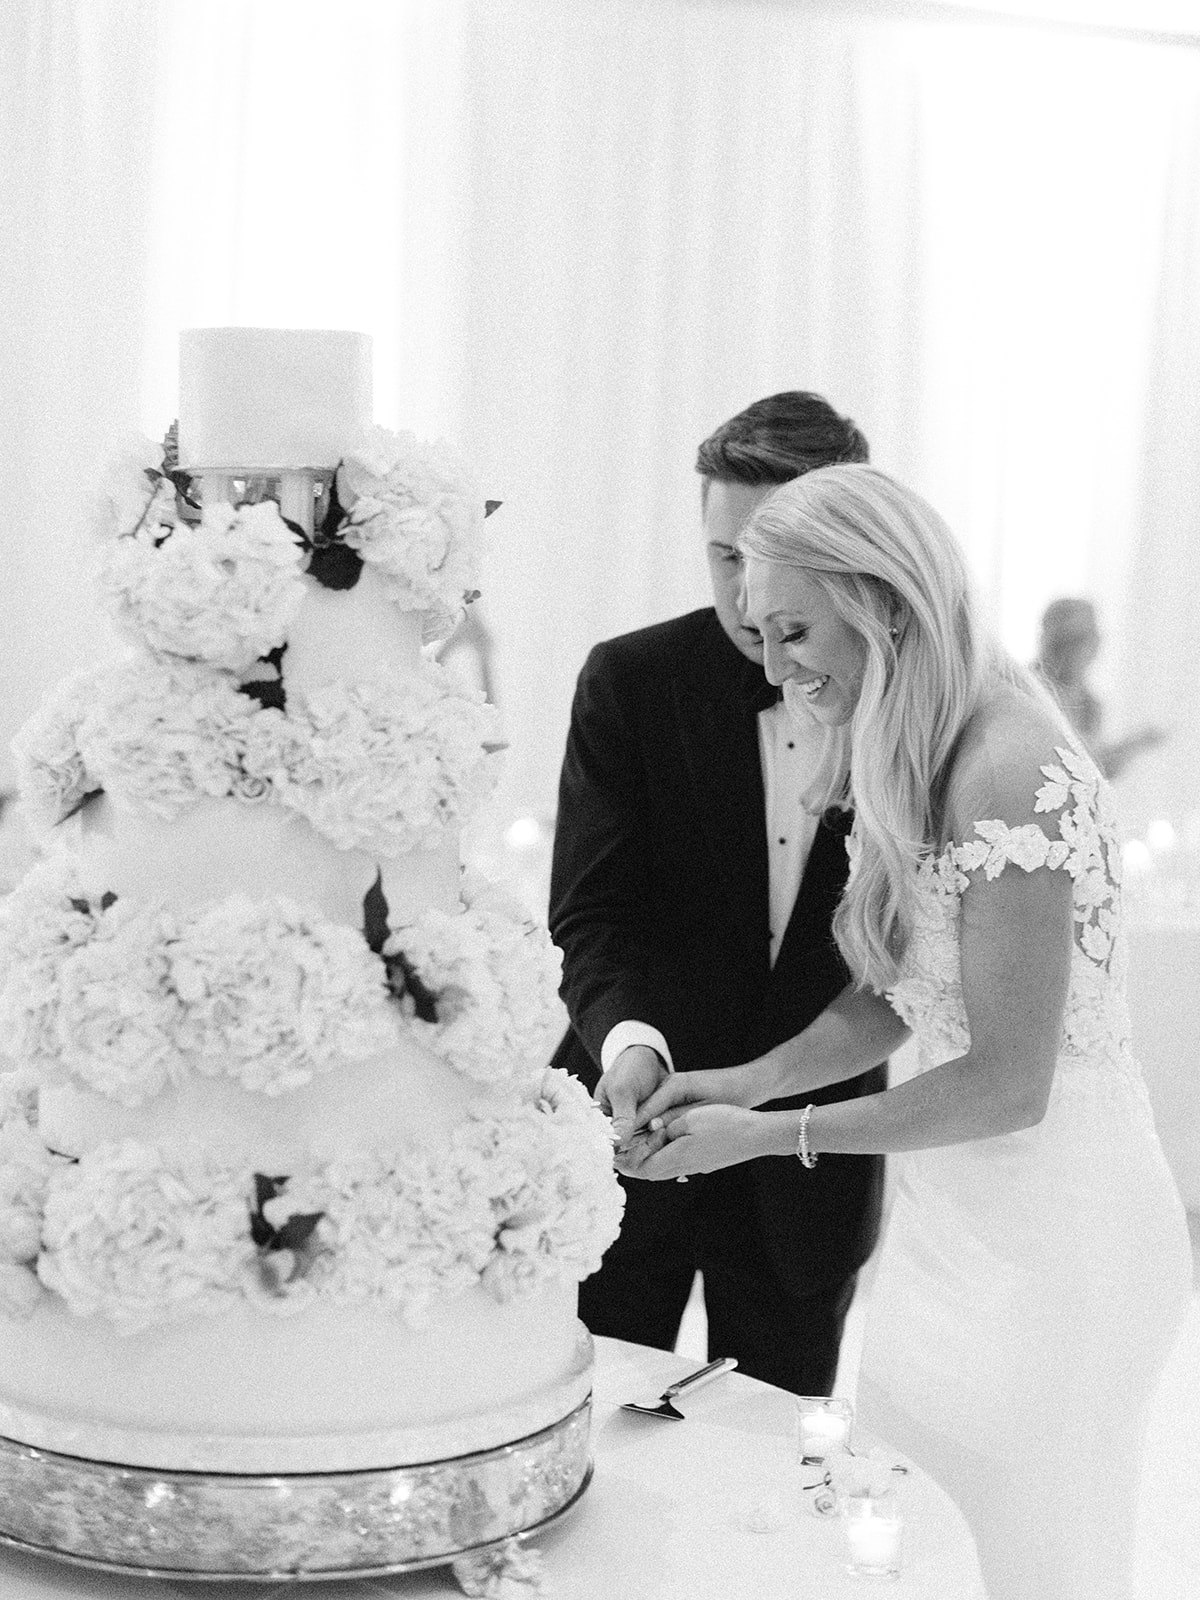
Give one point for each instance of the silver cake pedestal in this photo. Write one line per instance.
(231, 1526)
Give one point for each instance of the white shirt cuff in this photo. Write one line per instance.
(627, 1033)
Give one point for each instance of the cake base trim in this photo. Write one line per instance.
(247, 1455)
(221, 1526)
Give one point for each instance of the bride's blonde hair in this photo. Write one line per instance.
(894, 573)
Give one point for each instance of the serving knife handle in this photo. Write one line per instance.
(714, 1369)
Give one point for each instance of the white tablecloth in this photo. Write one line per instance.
(665, 1517)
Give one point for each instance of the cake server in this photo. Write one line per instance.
(664, 1407)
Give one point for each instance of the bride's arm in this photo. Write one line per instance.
(1016, 933)
(856, 1031)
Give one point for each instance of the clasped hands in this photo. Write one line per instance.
(669, 1125)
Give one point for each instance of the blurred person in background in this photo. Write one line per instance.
(1069, 644)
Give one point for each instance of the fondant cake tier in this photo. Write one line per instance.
(253, 399)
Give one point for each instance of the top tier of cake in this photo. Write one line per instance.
(262, 399)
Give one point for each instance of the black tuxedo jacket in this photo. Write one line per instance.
(659, 902)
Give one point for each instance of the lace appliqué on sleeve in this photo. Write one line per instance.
(1086, 848)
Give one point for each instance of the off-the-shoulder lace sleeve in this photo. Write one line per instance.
(1086, 847)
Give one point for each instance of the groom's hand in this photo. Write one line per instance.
(632, 1078)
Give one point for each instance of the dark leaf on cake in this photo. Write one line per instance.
(335, 565)
(266, 686)
(92, 794)
(183, 489)
(375, 922)
(86, 908)
(265, 1189)
(334, 514)
(405, 984)
(270, 695)
(293, 1237)
(296, 1231)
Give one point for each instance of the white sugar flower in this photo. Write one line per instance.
(44, 920)
(521, 1198)
(162, 732)
(134, 495)
(52, 777)
(143, 1234)
(386, 764)
(404, 1234)
(25, 1171)
(495, 976)
(271, 994)
(222, 591)
(416, 514)
(126, 997)
(554, 1194)
(114, 1021)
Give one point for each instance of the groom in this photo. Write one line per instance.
(692, 896)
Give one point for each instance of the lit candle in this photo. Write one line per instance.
(824, 1428)
(874, 1541)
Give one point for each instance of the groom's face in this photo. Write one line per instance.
(726, 507)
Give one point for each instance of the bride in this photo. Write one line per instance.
(1036, 1266)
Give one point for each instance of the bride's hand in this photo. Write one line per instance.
(699, 1138)
(725, 1086)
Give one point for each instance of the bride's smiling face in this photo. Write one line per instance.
(818, 658)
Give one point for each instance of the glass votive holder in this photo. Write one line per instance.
(822, 1427)
(874, 1528)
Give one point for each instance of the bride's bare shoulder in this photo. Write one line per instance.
(997, 768)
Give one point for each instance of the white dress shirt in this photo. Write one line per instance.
(789, 753)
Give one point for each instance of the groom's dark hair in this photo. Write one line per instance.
(778, 439)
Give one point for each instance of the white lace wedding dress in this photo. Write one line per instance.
(1030, 1286)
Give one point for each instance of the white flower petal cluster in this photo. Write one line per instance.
(495, 975)
(555, 1198)
(416, 514)
(159, 732)
(385, 764)
(523, 1198)
(223, 590)
(134, 495)
(163, 733)
(143, 1234)
(272, 994)
(52, 776)
(84, 991)
(25, 1171)
(124, 999)
(401, 1234)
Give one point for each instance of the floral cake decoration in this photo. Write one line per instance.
(220, 583)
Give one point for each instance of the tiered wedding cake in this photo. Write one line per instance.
(285, 1187)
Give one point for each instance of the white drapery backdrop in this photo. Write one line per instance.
(583, 235)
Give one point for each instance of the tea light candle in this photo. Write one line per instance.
(824, 1427)
(874, 1541)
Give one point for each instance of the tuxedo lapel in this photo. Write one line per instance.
(718, 730)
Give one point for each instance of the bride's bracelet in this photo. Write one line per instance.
(805, 1155)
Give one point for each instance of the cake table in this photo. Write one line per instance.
(667, 1517)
